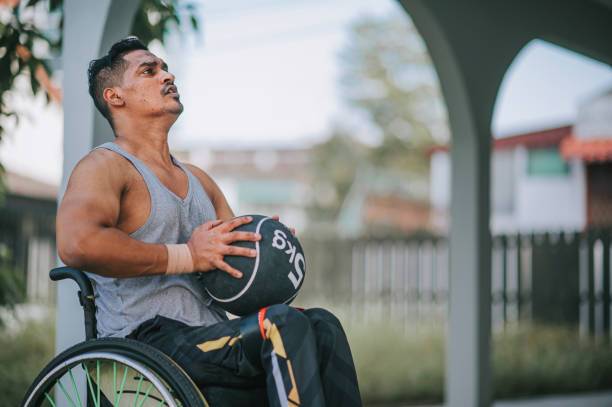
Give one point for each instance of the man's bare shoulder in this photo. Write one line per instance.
(206, 180)
(100, 158)
(213, 191)
(198, 172)
(101, 166)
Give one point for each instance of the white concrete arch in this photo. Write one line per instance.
(468, 345)
(472, 44)
(90, 27)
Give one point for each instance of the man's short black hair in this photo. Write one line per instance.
(108, 71)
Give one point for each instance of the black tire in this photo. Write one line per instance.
(161, 376)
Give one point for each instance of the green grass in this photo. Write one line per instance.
(396, 367)
(23, 354)
(406, 365)
(535, 360)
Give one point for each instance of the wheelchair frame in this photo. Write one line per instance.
(165, 382)
(118, 371)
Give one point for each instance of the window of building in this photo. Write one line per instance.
(546, 161)
(265, 191)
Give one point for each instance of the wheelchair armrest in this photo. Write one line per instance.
(86, 295)
(62, 273)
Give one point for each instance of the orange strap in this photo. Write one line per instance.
(260, 318)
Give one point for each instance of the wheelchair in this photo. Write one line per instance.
(124, 372)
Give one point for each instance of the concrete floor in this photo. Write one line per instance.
(602, 399)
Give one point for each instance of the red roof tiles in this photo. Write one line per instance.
(535, 139)
(586, 150)
(598, 150)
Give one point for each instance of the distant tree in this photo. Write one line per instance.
(387, 74)
(28, 42)
(333, 165)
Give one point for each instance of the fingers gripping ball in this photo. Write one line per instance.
(274, 276)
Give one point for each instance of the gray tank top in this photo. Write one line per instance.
(124, 303)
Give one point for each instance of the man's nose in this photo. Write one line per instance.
(167, 77)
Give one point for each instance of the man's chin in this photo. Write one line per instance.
(178, 109)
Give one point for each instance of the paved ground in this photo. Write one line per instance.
(603, 399)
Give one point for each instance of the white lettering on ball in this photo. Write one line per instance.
(296, 281)
(279, 242)
(291, 251)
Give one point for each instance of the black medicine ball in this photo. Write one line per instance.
(274, 276)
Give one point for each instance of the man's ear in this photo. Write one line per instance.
(112, 97)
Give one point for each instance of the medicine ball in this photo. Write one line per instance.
(274, 276)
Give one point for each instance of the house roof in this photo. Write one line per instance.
(264, 163)
(397, 213)
(597, 150)
(534, 139)
(18, 184)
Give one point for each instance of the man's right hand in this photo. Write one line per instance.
(211, 241)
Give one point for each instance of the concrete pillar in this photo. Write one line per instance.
(468, 369)
(90, 27)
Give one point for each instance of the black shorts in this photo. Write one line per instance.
(302, 357)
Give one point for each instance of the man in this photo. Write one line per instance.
(141, 223)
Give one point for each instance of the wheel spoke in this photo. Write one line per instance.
(50, 399)
(146, 395)
(65, 392)
(97, 404)
(138, 390)
(122, 387)
(98, 379)
(74, 387)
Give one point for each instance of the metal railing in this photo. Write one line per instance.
(553, 278)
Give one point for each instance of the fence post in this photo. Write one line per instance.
(526, 275)
(358, 280)
(519, 277)
(605, 239)
(504, 254)
(591, 283)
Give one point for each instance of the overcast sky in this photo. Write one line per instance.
(265, 73)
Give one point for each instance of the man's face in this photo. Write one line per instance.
(148, 88)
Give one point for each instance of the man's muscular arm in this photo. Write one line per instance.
(88, 237)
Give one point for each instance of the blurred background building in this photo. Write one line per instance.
(266, 181)
(546, 180)
(27, 233)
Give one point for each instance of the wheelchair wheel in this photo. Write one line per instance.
(117, 372)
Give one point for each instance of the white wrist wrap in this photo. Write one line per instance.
(179, 259)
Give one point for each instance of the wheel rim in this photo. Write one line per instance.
(107, 374)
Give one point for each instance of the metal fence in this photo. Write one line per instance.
(27, 246)
(554, 278)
